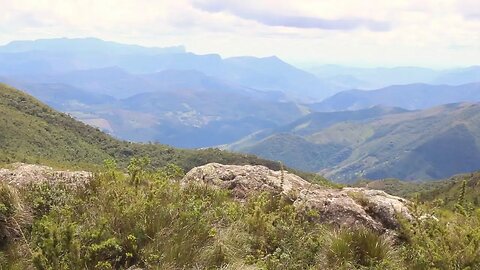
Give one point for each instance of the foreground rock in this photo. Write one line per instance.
(20, 174)
(341, 207)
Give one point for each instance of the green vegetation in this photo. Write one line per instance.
(298, 152)
(448, 193)
(443, 238)
(462, 189)
(402, 188)
(376, 143)
(138, 213)
(446, 220)
(148, 218)
(32, 132)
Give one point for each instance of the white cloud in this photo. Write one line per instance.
(433, 33)
(273, 18)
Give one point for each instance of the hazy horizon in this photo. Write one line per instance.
(433, 34)
(306, 65)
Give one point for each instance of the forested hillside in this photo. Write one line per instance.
(377, 143)
(147, 218)
(239, 135)
(32, 132)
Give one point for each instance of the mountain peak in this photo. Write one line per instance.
(87, 44)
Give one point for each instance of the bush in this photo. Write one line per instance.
(442, 239)
(42, 197)
(144, 219)
(149, 219)
(358, 248)
(11, 215)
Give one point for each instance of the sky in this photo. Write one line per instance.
(429, 33)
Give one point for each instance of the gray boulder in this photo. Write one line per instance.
(349, 207)
(21, 174)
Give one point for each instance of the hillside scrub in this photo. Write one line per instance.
(148, 218)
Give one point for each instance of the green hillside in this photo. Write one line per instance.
(296, 151)
(34, 133)
(291, 145)
(402, 188)
(417, 145)
(146, 220)
(446, 193)
(464, 188)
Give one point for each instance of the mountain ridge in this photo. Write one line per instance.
(409, 145)
(412, 96)
(33, 132)
(89, 44)
(263, 73)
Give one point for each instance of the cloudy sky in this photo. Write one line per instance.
(431, 33)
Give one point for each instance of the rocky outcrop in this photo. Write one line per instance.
(20, 174)
(341, 207)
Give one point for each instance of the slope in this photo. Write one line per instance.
(183, 108)
(32, 132)
(290, 144)
(463, 188)
(417, 145)
(448, 193)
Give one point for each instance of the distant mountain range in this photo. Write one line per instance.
(374, 78)
(160, 94)
(88, 45)
(311, 120)
(32, 132)
(377, 143)
(200, 115)
(181, 108)
(59, 57)
(412, 96)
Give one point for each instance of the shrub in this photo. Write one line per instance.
(149, 219)
(12, 215)
(42, 197)
(442, 239)
(349, 248)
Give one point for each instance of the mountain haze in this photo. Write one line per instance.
(374, 78)
(83, 45)
(175, 97)
(411, 97)
(58, 56)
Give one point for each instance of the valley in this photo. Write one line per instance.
(261, 106)
(239, 135)
(377, 143)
